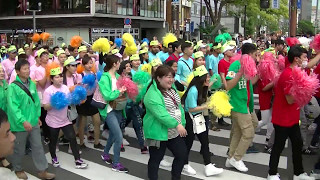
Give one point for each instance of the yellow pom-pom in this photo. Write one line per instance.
(189, 78)
(128, 39)
(181, 93)
(146, 68)
(101, 45)
(219, 103)
(168, 38)
(130, 50)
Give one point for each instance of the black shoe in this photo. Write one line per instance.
(46, 141)
(98, 146)
(308, 152)
(83, 146)
(122, 149)
(223, 123)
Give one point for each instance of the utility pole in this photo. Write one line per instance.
(201, 18)
(34, 15)
(293, 18)
(245, 20)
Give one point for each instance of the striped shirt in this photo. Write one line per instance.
(172, 101)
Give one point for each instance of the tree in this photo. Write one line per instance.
(218, 6)
(305, 27)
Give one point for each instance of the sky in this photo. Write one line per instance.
(314, 2)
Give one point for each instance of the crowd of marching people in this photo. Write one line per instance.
(171, 90)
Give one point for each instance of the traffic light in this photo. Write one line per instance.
(34, 5)
(264, 4)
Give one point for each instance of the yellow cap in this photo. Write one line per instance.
(82, 48)
(12, 49)
(55, 71)
(26, 46)
(154, 43)
(21, 51)
(144, 44)
(60, 51)
(134, 57)
(40, 51)
(50, 56)
(70, 61)
(200, 71)
(198, 54)
(115, 51)
(232, 43)
(142, 51)
(217, 46)
(155, 62)
(63, 45)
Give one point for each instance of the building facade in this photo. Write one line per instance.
(90, 19)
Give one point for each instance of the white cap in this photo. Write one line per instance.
(226, 48)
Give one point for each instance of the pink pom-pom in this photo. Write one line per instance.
(248, 66)
(281, 62)
(315, 44)
(234, 58)
(267, 69)
(303, 86)
(291, 41)
(132, 88)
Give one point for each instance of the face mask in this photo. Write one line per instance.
(304, 64)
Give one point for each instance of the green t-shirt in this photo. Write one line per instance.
(239, 93)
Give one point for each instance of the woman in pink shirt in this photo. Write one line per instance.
(57, 120)
(8, 64)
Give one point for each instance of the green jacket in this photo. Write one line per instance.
(3, 95)
(157, 120)
(21, 108)
(105, 86)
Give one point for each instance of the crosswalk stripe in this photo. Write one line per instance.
(94, 171)
(219, 150)
(134, 154)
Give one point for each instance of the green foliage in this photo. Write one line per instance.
(305, 27)
(207, 31)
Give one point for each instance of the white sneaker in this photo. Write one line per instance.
(239, 165)
(165, 163)
(125, 142)
(228, 165)
(273, 177)
(303, 176)
(189, 170)
(211, 170)
(105, 134)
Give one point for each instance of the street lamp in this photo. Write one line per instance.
(34, 14)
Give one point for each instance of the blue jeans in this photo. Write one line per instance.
(115, 134)
(134, 112)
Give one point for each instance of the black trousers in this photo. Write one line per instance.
(69, 134)
(45, 127)
(178, 148)
(281, 135)
(202, 137)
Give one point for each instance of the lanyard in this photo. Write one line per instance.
(173, 99)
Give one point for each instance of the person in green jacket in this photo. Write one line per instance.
(3, 90)
(164, 122)
(112, 114)
(23, 114)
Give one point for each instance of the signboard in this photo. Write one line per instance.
(192, 26)
(299, 4)
(175, 2)
(127, 26)
(187, 27)
(275, 4)
(127, 21)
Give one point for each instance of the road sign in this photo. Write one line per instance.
(127, 21)
(127, 26)
(175, 2)
(192, 26)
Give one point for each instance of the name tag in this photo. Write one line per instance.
(177, 112)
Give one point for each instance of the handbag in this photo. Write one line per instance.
(199, 123)
(72, 112)
(119, 103)
(98, 100)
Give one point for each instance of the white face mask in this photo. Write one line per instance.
(304, 64)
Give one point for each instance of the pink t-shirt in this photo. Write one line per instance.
(73, 80)
(31, 60)
(56, 118)
(8, 66)
(13, 76)
(38, 74)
